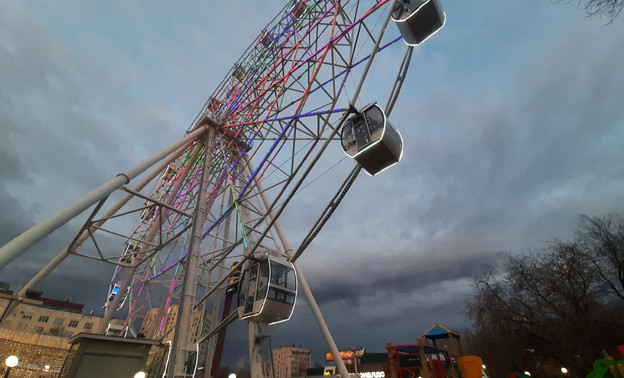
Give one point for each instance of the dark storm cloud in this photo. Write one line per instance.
(60, 140)
(15, 217)
(46, 116)
(353, 276)
(548, 143)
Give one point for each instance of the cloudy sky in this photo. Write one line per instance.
(512, 118)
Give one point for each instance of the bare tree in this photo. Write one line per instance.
(610, 9)
(603, 241)
(544, 310)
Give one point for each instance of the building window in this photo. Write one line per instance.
(26, 316)
(39, 330)
(58, 322)
(43, 319)
(73, 323)
(88, 325)
(22, 326)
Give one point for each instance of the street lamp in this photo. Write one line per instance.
(564, 370)
(232, 375)
(10, 362)
(140, 374)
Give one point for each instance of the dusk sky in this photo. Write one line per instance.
(512, 117)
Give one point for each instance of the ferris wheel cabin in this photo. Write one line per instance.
(369, 138)
(132, 248)
(299, 10)
(268, 290)
(418, 19)
(267, 38)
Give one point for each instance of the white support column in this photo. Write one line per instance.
(20, 244)
(255, 350)
(181, 338)
(212, 346)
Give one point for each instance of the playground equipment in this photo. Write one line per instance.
(427, 359)
(408, 361)
(470, 366)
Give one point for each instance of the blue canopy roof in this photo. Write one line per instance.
(438, 331)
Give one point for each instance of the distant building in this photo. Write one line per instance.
(291, 362)
(157, 322)
(160, 324)
(45, 316)
(37, 329)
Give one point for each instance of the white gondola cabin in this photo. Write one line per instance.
(369, 138)
(268, 290)
(418, 19)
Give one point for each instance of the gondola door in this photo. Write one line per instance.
(253, 290)
(250, 289)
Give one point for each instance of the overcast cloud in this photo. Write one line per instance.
(512, 118)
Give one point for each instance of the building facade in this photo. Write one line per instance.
(160, 324)
(45, 316)
(37, 330)
(291, 361)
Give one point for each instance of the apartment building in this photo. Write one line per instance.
(159, 324)
(45, 316)
(291, 361)
(37, 330)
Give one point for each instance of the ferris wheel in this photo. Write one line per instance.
(206, 228)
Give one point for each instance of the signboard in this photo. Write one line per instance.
(372, 374)
(346, 354)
